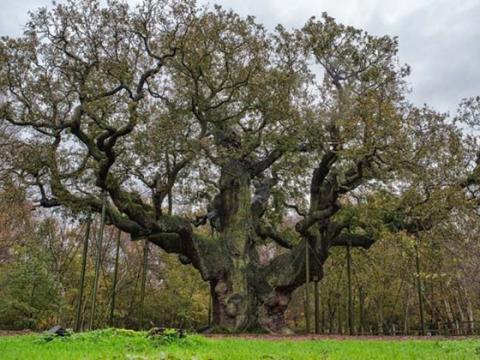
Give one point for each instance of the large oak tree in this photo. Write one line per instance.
(266, 135)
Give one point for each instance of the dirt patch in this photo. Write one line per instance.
(15, 332)
(336, 337)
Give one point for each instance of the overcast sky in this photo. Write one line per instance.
(439, 39)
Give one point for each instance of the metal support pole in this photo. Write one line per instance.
(82, 275)
(115, 276)
(210, 309)
(144, 282)
(98, 262)
(419, 288)
(307, 287)
(350, 301)
(211, 287)
(317, 306)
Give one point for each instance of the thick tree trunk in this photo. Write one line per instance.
(233, 297)
(242, 298)
(233, 305)
(271, 315)
(253, 298)
(236, 311)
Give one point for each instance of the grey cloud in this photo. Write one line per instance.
(14, 14)
(440, 39)
(442, 44)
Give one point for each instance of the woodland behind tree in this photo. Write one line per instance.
(257, 159)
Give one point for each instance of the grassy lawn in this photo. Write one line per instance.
(125, 344)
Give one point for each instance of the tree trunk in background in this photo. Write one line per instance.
(471, 318)
(361, 300)
(380, 319)
(460, 310)
(406, 323)
(331, 315)
(448, 310)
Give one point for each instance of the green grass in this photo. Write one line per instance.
(125, 344)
